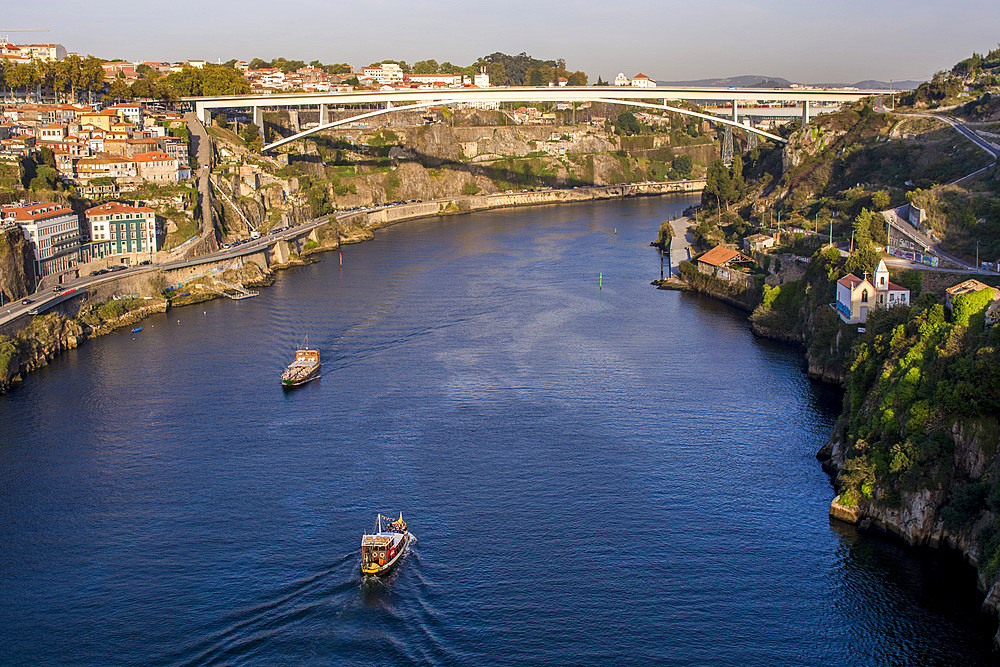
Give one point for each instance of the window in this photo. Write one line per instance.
(864, 296)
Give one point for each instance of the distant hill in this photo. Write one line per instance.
(745, 81)
(763, 81)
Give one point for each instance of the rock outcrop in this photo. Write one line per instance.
(16, 260)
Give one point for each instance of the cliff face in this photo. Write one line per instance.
(16, 260)
(42, 340)
(916, 451)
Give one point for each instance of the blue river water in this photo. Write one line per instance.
(595, 471)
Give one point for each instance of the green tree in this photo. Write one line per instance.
(258, 63)
(627, 124)
(665, 235)
(119, 90)
(719, 187)
(736, 174)
(425, 67)
(683, 164)
(47, 157)
(249, 132)
(45, 178)
(336, 68)
(498, 74)
(862, 230)
(141, 89)
(870, 226)
(881, 200)
(863, 260)
(91, 77)
(28, 171)
(577, 79)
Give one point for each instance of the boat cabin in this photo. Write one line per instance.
(311, 356)
(375, 549)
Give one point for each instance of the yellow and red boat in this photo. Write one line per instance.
(382, 549)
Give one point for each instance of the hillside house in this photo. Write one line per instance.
(758, 243)
(967, 287)
(726, 264)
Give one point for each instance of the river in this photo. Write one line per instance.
(595, 472)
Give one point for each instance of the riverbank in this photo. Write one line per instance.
(39, 340)
(914, 453)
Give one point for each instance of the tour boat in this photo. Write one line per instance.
(381, 550)
(303, 369)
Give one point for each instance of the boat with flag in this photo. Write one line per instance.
(303, 369)
(382, 549)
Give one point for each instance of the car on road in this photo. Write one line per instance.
(25, 302)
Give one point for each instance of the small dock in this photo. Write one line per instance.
(229, 290)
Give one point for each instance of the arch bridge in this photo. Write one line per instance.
(398, 100)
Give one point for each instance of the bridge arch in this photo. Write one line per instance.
(445, 100)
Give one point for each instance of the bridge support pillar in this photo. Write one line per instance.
(258, 119)
(293, 120)
(751, 136)
(388, 105)
(805, 112)
(205, 116)
(324, 114)
(734, 112)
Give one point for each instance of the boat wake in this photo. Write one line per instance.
(335, 614)
(244, 630)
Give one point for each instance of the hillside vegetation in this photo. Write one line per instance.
(915, 451)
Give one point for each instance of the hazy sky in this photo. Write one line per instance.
(801, 40)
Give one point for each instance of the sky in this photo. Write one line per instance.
(805, 41)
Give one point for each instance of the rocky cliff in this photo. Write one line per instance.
(44, 339)
(915, 451)
(16, 259)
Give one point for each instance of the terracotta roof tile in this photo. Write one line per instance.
(718, 256)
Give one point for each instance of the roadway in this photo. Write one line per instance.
(44, 299)
(530, 94)
(984, 145)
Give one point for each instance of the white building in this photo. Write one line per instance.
(856, 296)
(441, 79)
(384, 73)
(129, 112)
(640, 80)
(482, 79)
(53, 229)
(621, 79)
(28, 52)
